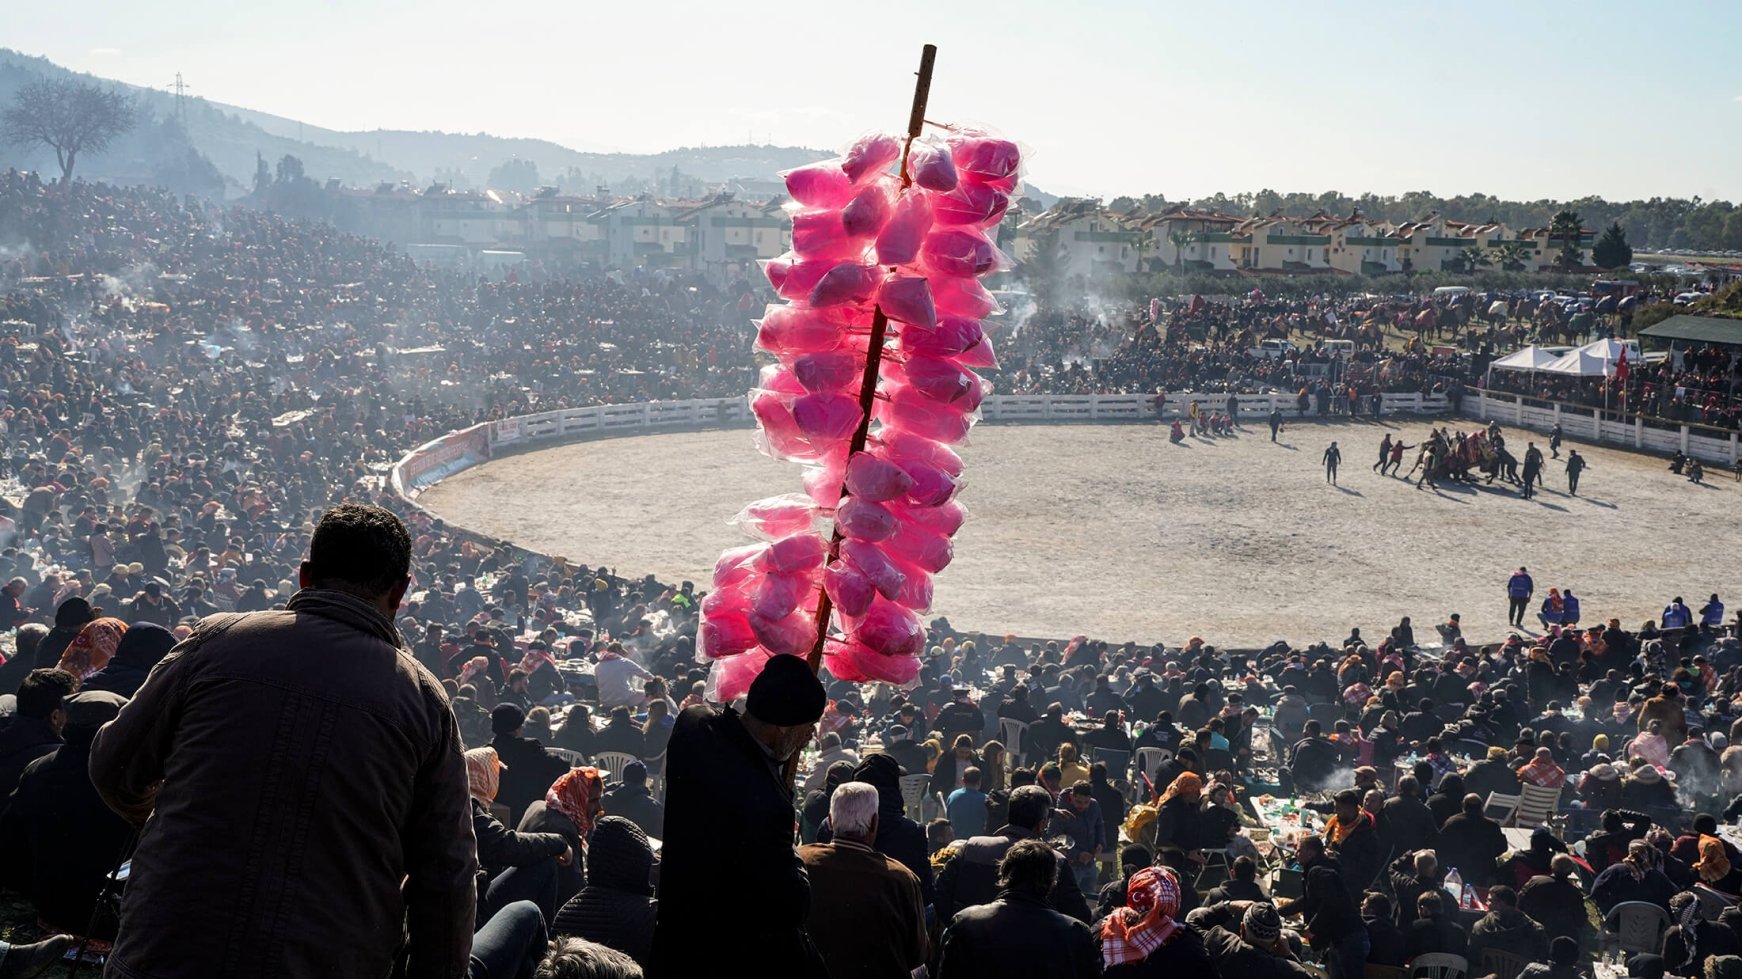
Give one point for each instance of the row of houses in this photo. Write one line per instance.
(719, 236)
(1092, 240)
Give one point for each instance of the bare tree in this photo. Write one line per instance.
(68, 115)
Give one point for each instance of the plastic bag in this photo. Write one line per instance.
(962, 252)
(888, 629)
(775, 517)
(873, 479)
(785, 330)
(868, 211)
(848, 282)
(907, 299)
(868, 560)
(973, 204)
(730, 678)
(855, 663)
(800, 552)
(929, 164)
(822, 184)
(829, 371)
(848, 587)
(952, 335)
(792, 634)
(956, 296)
(986, 159)
(860, 519)
(821, 235)
(899, 241)
(869, 155)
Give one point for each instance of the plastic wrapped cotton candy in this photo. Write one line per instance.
(822, 184)
(889, 629)
(899, 241)
(777, 516)
(869, 155)
(868, 237)
(931, 166)
(873, 479)
(860, 519)
(907, 299)
(855, 663)
(731, 676)
(848, 282)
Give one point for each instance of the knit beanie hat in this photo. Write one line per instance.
(1261, 924)
(786, 693)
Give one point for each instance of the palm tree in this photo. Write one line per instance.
(1181, 239)
(1474, 258)
(1566, 226)
(1512, 255)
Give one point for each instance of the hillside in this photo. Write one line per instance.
(231, 136)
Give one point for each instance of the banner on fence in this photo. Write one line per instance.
(437, 460)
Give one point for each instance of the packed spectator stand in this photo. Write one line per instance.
(188, 387)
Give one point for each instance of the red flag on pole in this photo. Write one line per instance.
(1621, 368)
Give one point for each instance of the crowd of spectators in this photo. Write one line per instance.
(188, 388)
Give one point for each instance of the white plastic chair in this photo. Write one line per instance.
(1500, 808)
(1634, 926)
(1535, 804)
(1148, 758)
(1439, 965)
(613, 763)
(913, 794)
(1012, 731)
(574, 758)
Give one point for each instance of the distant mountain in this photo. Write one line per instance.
(230, 136)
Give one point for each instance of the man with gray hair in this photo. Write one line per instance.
(867, 918)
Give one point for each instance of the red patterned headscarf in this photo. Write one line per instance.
(93, 647)
(577, 795)
(1146, 923)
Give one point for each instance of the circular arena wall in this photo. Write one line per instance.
(1104, 528)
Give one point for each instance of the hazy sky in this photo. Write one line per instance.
(1518, 98)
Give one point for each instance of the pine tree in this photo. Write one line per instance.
(1612, 251)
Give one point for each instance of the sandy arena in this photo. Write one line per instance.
(1110, 531)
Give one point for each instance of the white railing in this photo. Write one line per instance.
(430, 463)
(1699, 442)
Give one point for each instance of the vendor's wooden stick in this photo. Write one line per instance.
(874, 356)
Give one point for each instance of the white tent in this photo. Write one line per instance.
(1527, 359)
(1596, 359)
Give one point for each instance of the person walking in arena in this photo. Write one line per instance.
(1275, 422)
(1575, 465)
(1532, 469)
(1554, 440)
(1519, 588)
(1333, 456)
(1396, 461)
(1384, 452)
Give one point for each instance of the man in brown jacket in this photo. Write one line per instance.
(302, 775)
(867, 918)
(1666, 707)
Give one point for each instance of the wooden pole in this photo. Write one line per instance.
(874, 355)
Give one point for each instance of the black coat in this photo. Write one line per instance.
(23, 741)
(970, 876)
(500, 848)
(714, 851)
(1409, 825)
(528, 772)
(898, 838)
(1017, 935)
(1473, 844)
(58, 840)
(636, 804)
(1326, 904)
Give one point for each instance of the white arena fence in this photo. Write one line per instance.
(440, 458)
(1712, 445)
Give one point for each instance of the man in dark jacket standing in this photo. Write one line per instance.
(1330, 912)
(303, 776)
(729, 831)
(1017, 934)
(969, 876)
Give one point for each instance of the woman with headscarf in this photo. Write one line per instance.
(72, 615)
(140, 649)
(1691, 940)
(93, 647)
(511, 866)
(1637, 877)
(1179, 834)
(569, 808)
(1714, 868)
(1144, 939)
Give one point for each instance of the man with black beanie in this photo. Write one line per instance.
(729, 875)
(528, 769)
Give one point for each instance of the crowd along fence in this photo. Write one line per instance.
(440, 458)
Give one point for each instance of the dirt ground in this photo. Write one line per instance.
(1110, 531)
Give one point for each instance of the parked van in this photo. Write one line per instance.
(1446, 292)
(1340, 348)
